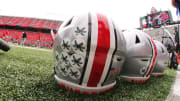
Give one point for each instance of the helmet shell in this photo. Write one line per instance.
(162, 59)
(89, 52)
(140, 58)
(168, 41)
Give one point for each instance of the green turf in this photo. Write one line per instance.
(27, 75)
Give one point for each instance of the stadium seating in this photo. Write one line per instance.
(29, 22)
(10, 33)
(32, 39)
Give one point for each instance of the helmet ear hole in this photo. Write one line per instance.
(69, 22)
(137, 39)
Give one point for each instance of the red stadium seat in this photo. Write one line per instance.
(32, 37)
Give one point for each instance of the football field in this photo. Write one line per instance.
(27, 75)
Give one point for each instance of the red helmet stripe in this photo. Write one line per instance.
(103, 45)
(154, 56)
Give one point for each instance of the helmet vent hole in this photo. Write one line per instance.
(119, 59)
(69, 22)
(144, 59)
(162, 50)
(137, 39)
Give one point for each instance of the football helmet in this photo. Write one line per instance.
(162, 59)
(168, 40)
(140, 58)
(89, 51)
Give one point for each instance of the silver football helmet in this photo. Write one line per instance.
(162, 59)
(89, 52)
(168, 40)
(140, 58)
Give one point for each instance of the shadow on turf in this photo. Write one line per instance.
(48, 88)
(1, 53)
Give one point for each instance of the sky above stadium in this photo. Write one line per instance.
(125, 13)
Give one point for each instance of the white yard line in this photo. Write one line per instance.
(174, 94)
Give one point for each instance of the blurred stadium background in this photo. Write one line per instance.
(38, 30)
(12, 28)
